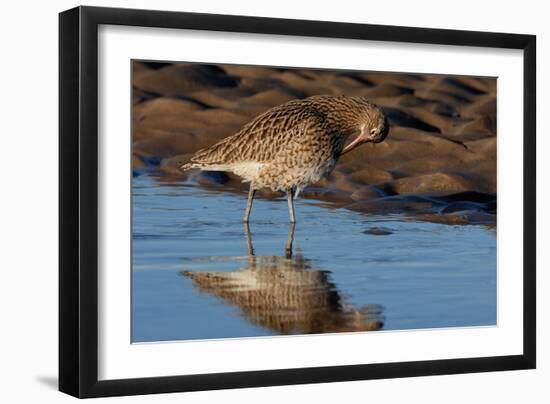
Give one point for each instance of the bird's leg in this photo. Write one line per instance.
(251, 193)
(290, 240)
(249, 244)
(290, 199)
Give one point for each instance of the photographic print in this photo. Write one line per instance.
(271, 201)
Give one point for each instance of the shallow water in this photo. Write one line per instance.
(198, 273)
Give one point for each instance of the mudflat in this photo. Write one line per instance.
(437, 164)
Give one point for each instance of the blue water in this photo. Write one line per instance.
(195, 275)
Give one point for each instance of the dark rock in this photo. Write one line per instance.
(378, 231)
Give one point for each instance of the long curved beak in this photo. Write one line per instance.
(353, 144)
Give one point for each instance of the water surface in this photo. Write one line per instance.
(198, 273)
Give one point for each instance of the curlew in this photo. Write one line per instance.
(294, 144)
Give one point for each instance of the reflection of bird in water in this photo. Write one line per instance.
(294, 144)
(286, 295)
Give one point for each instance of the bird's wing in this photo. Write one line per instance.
(260, 141)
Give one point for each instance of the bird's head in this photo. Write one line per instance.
(371, 125)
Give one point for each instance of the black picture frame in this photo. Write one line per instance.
(78, 201)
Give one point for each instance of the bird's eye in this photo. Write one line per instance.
(373, 131)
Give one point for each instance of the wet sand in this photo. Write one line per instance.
(438, 163)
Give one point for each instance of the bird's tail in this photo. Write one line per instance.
(187, 166)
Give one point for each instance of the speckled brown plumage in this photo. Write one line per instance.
(295, 144)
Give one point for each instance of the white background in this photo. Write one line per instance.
(28, 166)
